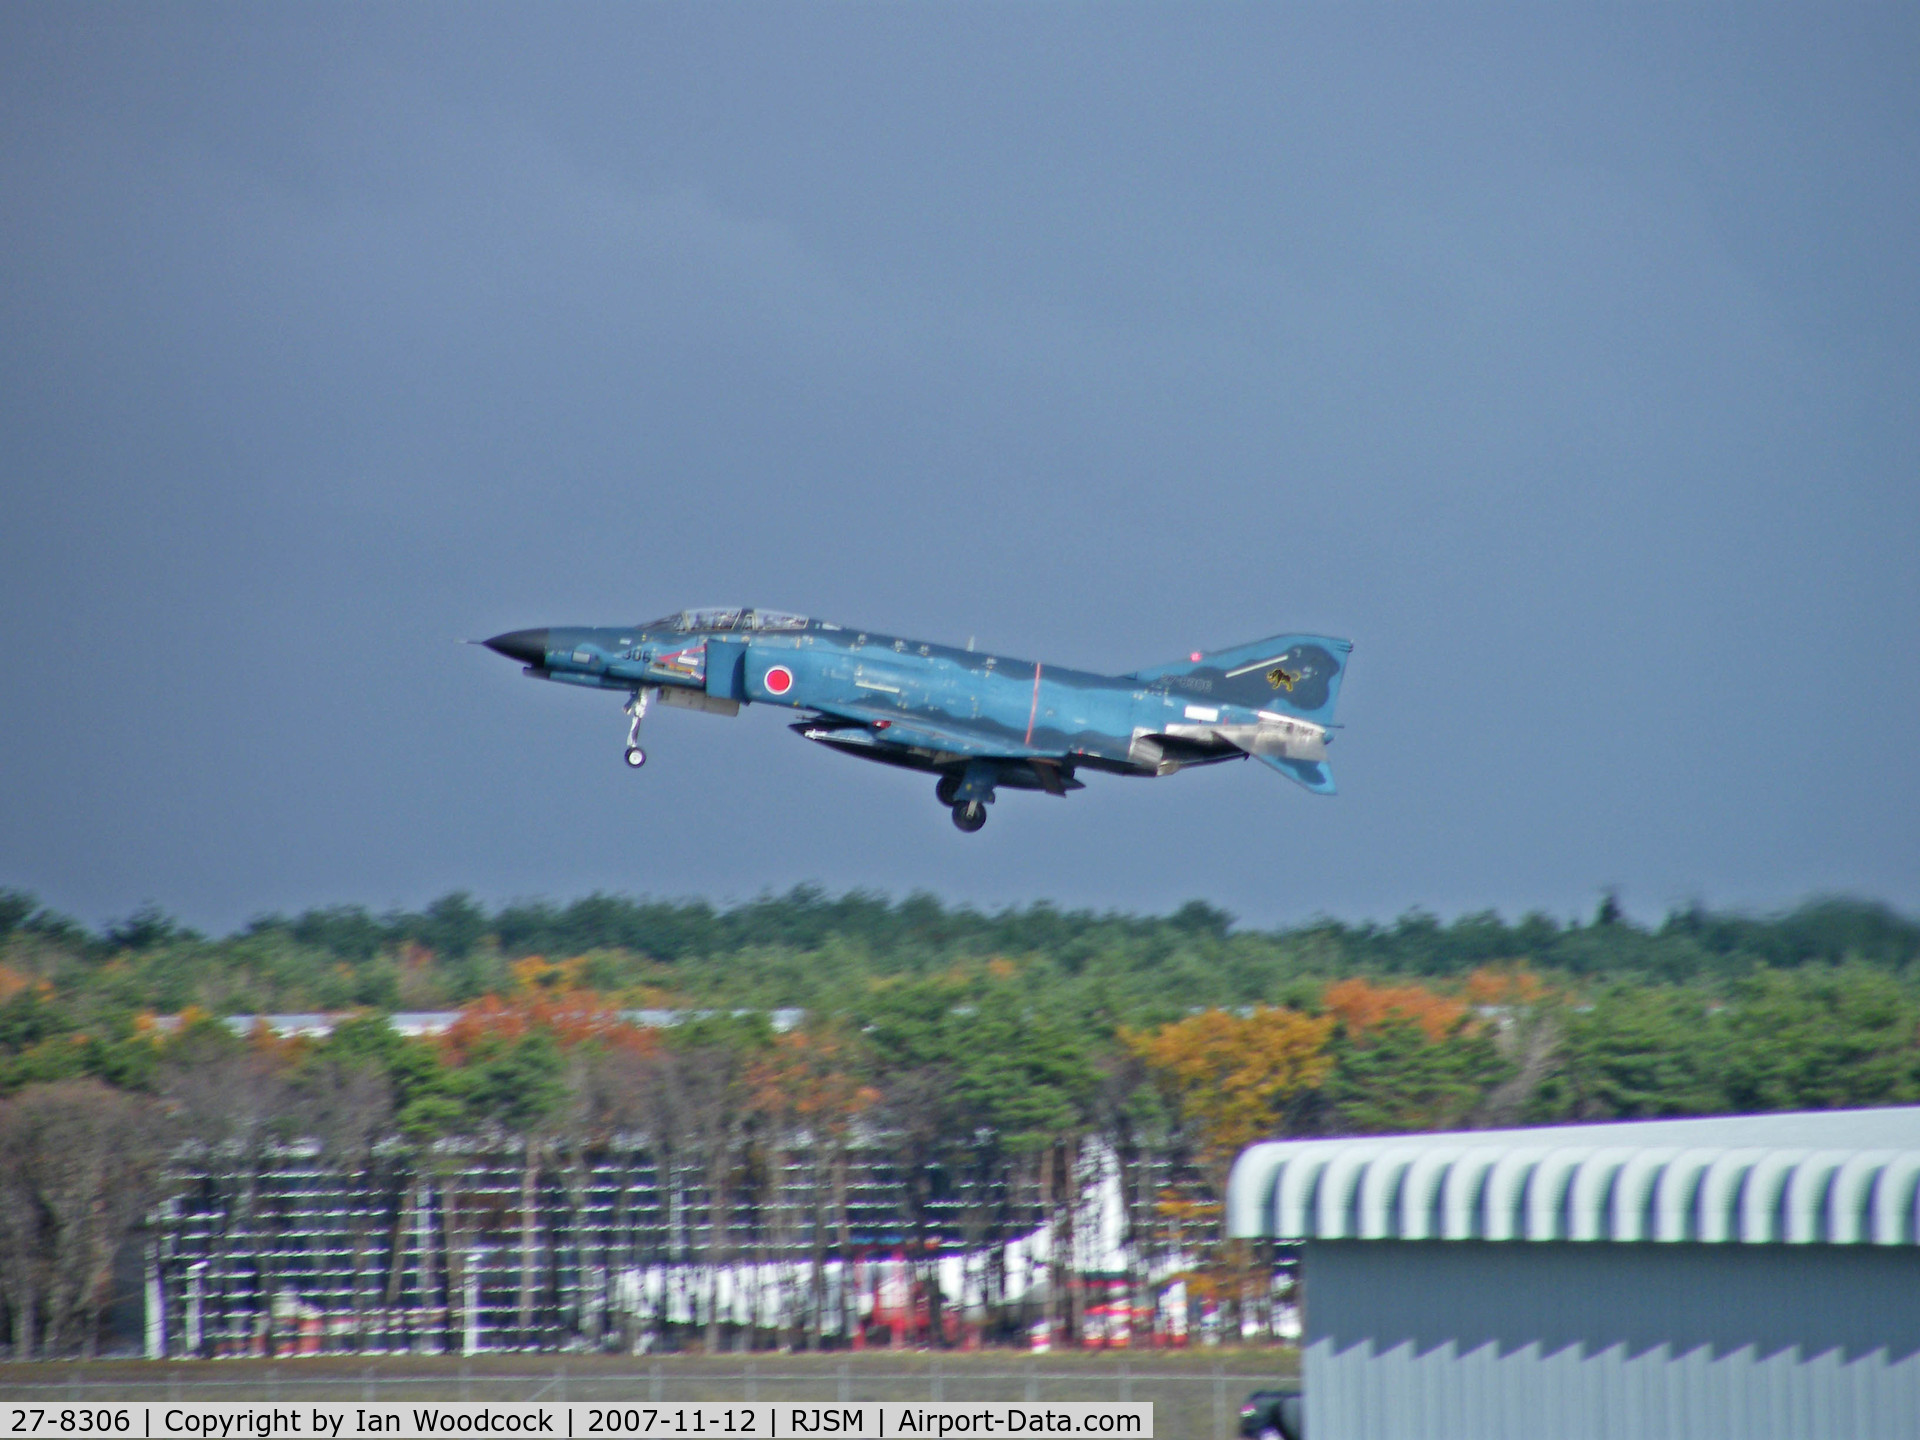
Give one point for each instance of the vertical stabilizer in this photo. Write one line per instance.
(1288, 674)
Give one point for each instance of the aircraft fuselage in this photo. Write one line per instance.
(978, 719)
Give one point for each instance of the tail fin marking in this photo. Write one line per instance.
(1291, 674)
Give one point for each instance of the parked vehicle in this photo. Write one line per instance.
(1274, 1415)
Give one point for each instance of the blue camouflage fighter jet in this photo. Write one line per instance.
(978, 722)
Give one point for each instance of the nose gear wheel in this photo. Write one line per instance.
(636, 707)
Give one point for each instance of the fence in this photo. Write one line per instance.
(487, 1247)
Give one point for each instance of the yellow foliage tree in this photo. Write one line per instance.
(1231, 1075)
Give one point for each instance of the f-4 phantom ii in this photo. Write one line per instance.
(978, 722)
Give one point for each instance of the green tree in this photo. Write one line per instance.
(1394, 1077)
(1637, 1052)
(1819, 1039)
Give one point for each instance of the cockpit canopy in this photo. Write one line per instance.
(718, 618)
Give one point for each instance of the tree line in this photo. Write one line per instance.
(986, 1055)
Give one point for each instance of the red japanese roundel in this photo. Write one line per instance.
(779, 680)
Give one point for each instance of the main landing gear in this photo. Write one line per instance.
(637, 708)
(967, 793)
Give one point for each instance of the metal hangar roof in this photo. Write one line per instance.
(1835, 1177)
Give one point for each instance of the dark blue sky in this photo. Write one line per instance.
(1566, 359)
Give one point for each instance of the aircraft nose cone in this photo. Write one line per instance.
(529, 647)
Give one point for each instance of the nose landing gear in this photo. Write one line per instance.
(636, 707)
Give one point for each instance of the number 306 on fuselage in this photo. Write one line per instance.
(978, 721)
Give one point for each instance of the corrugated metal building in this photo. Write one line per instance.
(1747, 1276)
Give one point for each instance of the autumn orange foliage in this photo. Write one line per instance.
(805, 1077)
(1361, 1005)
(12, 982)
(572, 1017)
(278, 1049)
(1490, 985)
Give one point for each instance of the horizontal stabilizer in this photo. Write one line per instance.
(1313, 774)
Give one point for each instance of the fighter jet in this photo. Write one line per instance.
(978, 722)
